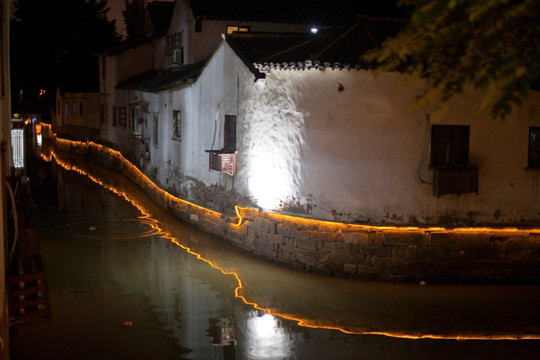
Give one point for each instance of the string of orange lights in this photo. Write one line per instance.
(304, 322)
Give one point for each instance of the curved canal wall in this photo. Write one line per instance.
(348, 250)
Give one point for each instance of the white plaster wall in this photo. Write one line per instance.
(351, 155)
(361, 152)
(213, 96)
(135, 61)
(90, 103)
(108, 81)
(204, 105)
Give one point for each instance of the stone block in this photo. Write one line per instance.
(329, 227)
(306, 260)
(323, 236)
(337, 247)
(303, 235)
(376, 238)
(386, 262)
(476, 254)
(368, 270)
(400, 252)
(472, 240)
(518, 244)
(509, 234)
(381, 251)
(285, 249)
(267, 253)
(358, 238)
(405, 237)
(262, 224)
(306, 244)
(338, 259)
(274, 239)
(444, 239)
(433, 256)
(284, 256)
(517, 255)
(350, 268)
(289, 241)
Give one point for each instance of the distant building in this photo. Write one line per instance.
(77, 115)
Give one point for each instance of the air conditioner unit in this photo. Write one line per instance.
(224, 162)
(178, 56)
(455, 180)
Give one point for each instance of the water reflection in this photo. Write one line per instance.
(189, 296)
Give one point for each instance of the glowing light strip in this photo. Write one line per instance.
(135, 170)
(276, 215)
(301, 322)
(379, 228)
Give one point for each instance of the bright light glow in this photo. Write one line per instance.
(17, 144)
(273, 141)
(39, 139)
(266, 339)
(264, 326)
(314, 30)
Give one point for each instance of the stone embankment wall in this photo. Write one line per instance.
(347, 250)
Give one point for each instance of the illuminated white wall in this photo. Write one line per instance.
(364, 158)
(339, 145)
(273, 141)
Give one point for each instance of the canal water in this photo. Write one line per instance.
(126, 280)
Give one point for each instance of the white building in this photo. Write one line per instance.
(77, 115)
(310, 130)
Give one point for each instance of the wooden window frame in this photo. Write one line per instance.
(122, 116)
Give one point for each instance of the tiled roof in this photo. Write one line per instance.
(340, 47)
(292, 11)
(159, 80)
(252, 46)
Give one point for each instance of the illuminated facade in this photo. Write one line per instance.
(304, 135)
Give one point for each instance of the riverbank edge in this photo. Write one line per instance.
(382, 253)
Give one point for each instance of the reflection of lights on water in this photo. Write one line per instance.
(115, 229)
(262, 327)
(267, 339)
